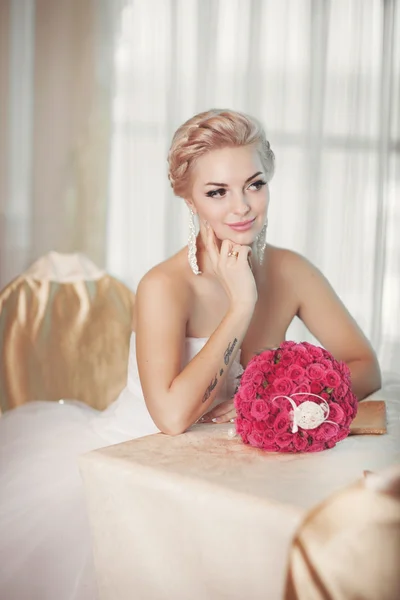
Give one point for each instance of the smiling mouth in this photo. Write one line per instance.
(240, 226)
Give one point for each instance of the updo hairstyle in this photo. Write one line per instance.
(214, 130)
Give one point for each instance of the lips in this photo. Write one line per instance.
(242, 226)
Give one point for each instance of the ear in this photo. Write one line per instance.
(190, 204)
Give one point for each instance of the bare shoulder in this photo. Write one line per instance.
(286, 264)
(164, 288)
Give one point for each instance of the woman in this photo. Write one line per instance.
(200, 316)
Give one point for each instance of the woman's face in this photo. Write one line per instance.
(230, 191)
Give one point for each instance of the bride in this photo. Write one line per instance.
(199, 318)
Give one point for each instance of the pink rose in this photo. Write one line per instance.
(332, 379)
(302, 388)
(259, 410)
(326, 363)
(302, 360)
(336, 413)
(287, 358)
(246, 376)
(343, 433)
(257, 378)
(246, 392)
(325, 432)
(325, 396)
(255, 438)
(343, 369)
(269, 435)
(341, 390)
(296, 373)
(316, 387)
(284, 439)
(315, 352)
(280, 372)
(315, 371)
(260, 426)
(301, 348)
(300, 442)
(270, 420)
(243, 426)
(244, 408)
(316, 447)
(275, 407)
(282, 422)
(288, 344)
(283, 386)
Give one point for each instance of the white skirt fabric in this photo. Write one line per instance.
(45, 549)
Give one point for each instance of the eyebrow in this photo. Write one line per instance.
(226, 185)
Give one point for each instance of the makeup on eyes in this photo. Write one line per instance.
(222, 190)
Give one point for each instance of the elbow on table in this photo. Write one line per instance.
(172, 429)
(170, 424)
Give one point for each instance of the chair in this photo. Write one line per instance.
(348, 547)
(65, 327)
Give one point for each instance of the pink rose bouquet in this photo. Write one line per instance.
(295, 398)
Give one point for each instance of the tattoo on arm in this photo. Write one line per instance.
(214, 381)
(210, 389)
(229, 350)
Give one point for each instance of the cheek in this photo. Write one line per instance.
(260, 203)
(213, 212)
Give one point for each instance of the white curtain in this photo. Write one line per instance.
(323, 76)
(56, 82)
(93, 90)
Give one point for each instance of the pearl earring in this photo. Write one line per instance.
(261, 242)
(192, 248)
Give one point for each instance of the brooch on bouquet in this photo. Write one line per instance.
(295, 398)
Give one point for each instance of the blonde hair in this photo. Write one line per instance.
(212, 130)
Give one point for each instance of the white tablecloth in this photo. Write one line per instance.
(201, 516)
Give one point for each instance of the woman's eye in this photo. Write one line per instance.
(216, 193)
(258, 184)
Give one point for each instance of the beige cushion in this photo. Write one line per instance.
(64, 333)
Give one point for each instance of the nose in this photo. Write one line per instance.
(240, 205)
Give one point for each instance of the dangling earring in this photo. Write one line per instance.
(192, 248)
(261, 242)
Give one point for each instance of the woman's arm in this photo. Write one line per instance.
(328, 320)
(176, 397)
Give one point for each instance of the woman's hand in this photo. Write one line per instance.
(223, 413)
(231, 265)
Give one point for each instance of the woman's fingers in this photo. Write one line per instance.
(224, 410)
(244, 253)
(226, 247)
(228, 417)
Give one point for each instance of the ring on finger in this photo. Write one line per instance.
(233, 253)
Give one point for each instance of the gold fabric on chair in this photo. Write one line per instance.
(348, 548)
(64, 333)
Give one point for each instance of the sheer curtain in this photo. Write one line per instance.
(56, 78)
(323, 76)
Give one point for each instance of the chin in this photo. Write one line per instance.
(244, 238)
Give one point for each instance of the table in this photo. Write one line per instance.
(201, 516)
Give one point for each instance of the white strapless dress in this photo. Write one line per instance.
(45, 549)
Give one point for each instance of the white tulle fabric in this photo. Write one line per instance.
(45, 549)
